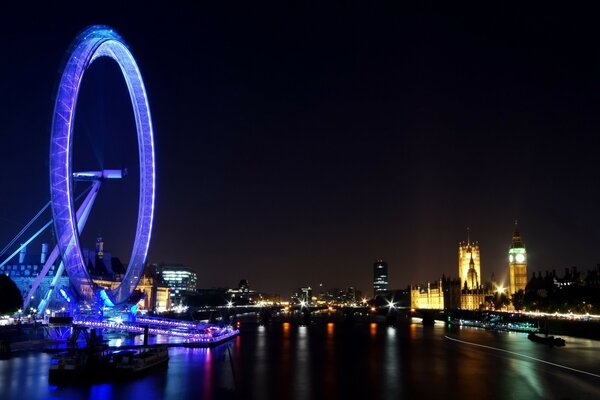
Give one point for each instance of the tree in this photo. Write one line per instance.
(532, 301)
(10, 296)
(500, 300)
(518, 300)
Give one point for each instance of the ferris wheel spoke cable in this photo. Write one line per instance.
(28, 225)
(22, 231)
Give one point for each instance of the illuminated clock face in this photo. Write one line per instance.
(511, 258)
(520, 257)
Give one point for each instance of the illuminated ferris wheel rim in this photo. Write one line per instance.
(91, 44)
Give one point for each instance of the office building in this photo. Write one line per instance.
(380, 278)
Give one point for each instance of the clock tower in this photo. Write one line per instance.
(517, 262)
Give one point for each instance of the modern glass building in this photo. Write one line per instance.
(380, 277)
(180, 279)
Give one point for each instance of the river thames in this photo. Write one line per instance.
(333, 360)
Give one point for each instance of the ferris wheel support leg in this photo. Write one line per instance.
(44, 302)
(36, 283)
(82, 215)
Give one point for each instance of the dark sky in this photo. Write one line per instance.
(297, 150)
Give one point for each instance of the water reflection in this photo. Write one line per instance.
(101, 391)
(207, 372)
(286, 329)
(330, 329)
(328, 360)
(259, 372)
(302, 381)
(330, 372)
(413, 331)
(372, 359)
(284, 377)
(530, 380)
(392, 373)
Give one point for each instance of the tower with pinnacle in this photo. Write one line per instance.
(469, 263)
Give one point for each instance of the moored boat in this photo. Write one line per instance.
(78, 363)
(548, 340)
(127, 363)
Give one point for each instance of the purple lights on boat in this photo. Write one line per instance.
(210, 335)
(92, 43)
(173, 323)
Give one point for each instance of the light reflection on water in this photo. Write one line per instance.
(336, 360)
(391, 367)
(260, 358)
(329, 368)
(373, 330)
(302, 365)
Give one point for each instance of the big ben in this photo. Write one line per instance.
(517, 262)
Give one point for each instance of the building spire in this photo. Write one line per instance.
(517, 241)
(468, 235)
(472, 277)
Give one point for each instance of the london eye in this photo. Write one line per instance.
(91, 44)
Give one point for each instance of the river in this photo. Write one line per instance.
(333, 360)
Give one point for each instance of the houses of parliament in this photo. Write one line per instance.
(468, 291)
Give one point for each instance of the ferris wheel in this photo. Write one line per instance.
(91, 44)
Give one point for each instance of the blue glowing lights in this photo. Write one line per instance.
(65, 295)
(107, 301)
(207, 335)
(91, 44)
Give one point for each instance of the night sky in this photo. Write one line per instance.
(296, 151)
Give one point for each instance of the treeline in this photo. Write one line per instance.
(551, 294)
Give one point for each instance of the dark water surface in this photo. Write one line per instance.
(330, 361)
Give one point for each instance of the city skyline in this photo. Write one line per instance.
(288, 152)
(304, 205)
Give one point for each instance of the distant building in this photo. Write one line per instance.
(472, 299)
(447, 294)
(106, 271)
(303, 294)
(592, 278)
(181, 280)
(472, 293)
(465, 292)
(452, 292)
(341, 297)
(517, 263)
(243, 294)
(430, 296)
(154, 294)
(469, 264)
(380, 278)
(24, 269)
